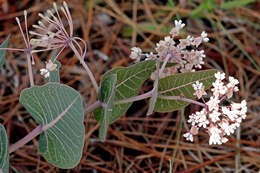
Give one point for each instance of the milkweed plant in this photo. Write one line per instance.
(174, 67)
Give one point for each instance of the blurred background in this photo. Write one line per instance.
(136, 143)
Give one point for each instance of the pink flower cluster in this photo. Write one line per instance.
(218, 118)
(187, 60)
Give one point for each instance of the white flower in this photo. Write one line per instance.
(188, 136)
(199, 89)
(214, 134)
(226, 127)
(220, 76)
(213, 103)
(243, 109)
(50, 66)
(178, 25)
(197, 85)
(136, 53)
(52, 34)
(163, 47)
(45, 72)
(204, 36)
(214, 116)
(218, 88)
(220, 120)
(199, 118)
(232, 81)
(231, 87)
(232, 115)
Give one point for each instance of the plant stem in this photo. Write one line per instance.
(149, 94)
(81, 59)
(13, 49)
(135, 98)
(168, 56)
(183, 99)
(38, 130)
(29, 63)
(93, 107)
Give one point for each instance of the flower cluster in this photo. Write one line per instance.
(219, 118)
(50, 33)
(50, 30)
(187, 60)
(50, 66)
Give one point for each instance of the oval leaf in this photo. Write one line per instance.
(2, 52)
(128, 84)
(58, 108)
(106, 96)
(181, 84)
(4, 151)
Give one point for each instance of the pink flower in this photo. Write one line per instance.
(220, 120)
(199, 89)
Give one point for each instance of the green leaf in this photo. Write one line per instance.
(4, 151)
(181, 84)
(106, 96)
(144, 27)
(205, 6)
(128, 84)
(235, 3)
(55, 74)
(2, 52)
(58, 108)
(170, 3)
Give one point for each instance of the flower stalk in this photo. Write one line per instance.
(81, 59)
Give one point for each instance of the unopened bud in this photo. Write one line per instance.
(17, 20)
(55, 6)
(25, 13)
(65, 5)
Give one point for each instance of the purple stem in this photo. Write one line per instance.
(81, 59)
(150, 93)
(38, 130)
(183, 99)
(168, 56)
(13, 49)
(29, 63)
(135, 98)
(93, 107)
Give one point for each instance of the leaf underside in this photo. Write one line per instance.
(128, 84)
(106, 96)
(181, 84)
(4, 151)
(154, 97)
(61, 144)
(2, 52)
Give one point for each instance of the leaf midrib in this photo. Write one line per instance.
(189, 83)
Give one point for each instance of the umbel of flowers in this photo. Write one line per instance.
(220, 119)
(187, 60)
